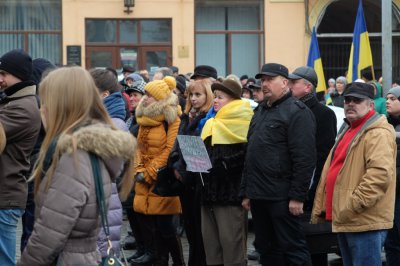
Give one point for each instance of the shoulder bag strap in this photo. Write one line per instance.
(100, 199)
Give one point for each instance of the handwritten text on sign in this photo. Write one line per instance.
(194, 153)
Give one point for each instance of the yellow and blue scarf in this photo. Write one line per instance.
(230, 124)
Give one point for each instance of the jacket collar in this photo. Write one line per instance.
(277, 102)
(310, 100)
(21, 89)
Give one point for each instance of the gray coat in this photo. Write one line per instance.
(67, 219)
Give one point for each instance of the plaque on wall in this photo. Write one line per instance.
(74, 55)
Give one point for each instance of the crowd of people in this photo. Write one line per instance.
(273, 145)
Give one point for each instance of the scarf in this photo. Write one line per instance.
(210, 114)
(115, 105)
(230, 124)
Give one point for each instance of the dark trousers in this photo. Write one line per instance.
(280, 238)
(133, 222)
(191, 211)
(392, 243)
(28, 218)
(159, 234)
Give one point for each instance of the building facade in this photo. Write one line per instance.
(234, 36)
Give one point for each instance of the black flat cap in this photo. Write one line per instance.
(204, 71)
(273, 70)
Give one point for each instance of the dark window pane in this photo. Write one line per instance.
(11, 41)
(46, 46)
(101, 59)
(211, 18)
(128, 57)
(156, 31)
(245, 54)
(155, 59)
(243, 18)
(101, 31)
(211, 49)
(128, 31)
(30, 15)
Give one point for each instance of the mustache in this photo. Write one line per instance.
(349, 109)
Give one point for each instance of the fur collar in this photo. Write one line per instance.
(168, 107)
(100, 139)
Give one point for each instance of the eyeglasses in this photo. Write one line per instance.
(355, 100)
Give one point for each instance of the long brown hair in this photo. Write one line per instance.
(69, 99)
(205, 85)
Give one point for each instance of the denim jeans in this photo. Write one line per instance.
(362, 248)
(8, 235)
(392, 243)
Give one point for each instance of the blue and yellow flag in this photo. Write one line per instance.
(360, 54)
(314, 61)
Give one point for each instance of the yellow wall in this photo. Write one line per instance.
(285, 39)
(74, 13)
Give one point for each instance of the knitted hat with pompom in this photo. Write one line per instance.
(161, 89)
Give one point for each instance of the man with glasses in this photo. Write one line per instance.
(357, 187)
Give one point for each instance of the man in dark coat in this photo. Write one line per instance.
(304, 80)
(20, 120)
(279, 165)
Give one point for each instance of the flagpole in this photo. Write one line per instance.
(386, 45)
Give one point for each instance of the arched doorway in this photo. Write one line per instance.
(334, 21)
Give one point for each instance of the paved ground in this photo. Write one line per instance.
(333, 259)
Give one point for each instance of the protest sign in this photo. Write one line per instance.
(194, 153)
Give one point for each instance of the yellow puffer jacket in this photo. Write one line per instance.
(364, 192)
(155, 143)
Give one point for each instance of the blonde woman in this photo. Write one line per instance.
(200, 100)
(158, 117)
(77, 124)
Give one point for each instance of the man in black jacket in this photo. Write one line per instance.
(279, 165)
(304, 80)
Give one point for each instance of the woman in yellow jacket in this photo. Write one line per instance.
(158, 117)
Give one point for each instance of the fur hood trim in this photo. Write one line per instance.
(100, 139)
(169, 107)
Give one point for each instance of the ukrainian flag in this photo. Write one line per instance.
(314, 61)
(360, 54)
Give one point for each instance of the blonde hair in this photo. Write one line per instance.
(205, 85)
(3, 138)
(70, 99)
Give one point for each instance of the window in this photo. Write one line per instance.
(227, 41)
(140, 43)
(34, 26)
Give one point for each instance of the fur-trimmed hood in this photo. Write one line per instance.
(112, 145)
(168, 108)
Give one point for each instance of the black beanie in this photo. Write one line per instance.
(39, 66)
(181, 84)
(17, 63)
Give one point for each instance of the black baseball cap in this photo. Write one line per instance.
(305, 72)
(359, 90)
(273, 70)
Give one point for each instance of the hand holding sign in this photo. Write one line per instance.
(195, 154)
